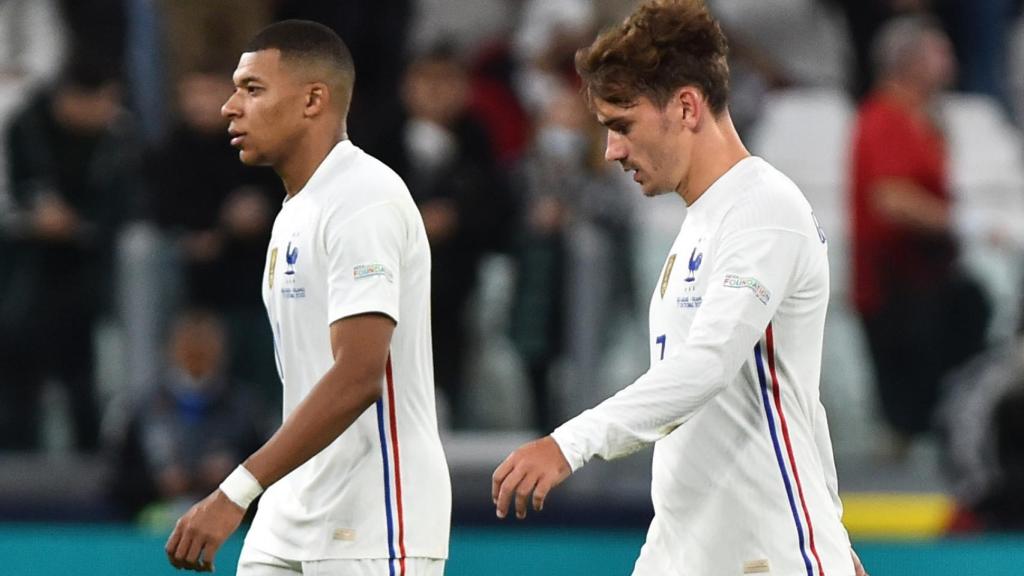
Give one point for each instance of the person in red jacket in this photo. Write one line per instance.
(921, 316)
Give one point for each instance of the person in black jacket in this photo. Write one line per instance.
(71, 169)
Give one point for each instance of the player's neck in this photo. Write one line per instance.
(715, 154)
(302, 162)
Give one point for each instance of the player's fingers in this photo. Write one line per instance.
(209, 552)
(192, 558)
(523, 491)
(507, 490)
(181, 550)
(540, 493)
(172, 544)
(499, 476)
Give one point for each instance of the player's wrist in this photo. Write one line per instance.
(569, 454)
(241, 487)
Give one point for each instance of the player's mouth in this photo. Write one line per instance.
(236, 138)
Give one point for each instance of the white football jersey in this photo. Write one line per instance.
(744, 480)
(352, 242)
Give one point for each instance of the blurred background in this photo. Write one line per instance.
(136, 364)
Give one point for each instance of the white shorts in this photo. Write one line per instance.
(253, 562)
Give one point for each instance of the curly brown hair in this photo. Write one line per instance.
(663, 46)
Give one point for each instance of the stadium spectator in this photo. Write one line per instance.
(922, 315)
(744, 289)
(575, 245)
(461, 195)
(193, 426)
(72, 171)
(548, 176)
(547, 37)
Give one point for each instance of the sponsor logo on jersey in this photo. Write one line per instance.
(667, 273)
(291, 256)
(270, 271)
(370, 270)
(760, 291)
(694, 265)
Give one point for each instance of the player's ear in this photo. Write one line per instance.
(689, 102)
(317, 99)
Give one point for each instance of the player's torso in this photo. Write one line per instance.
(729, 471)
(680, 289)
(294, 293)
(381, 489)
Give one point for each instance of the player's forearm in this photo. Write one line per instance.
(331, 407)
(658, 402)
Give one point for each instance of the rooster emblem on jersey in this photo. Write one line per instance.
(695, 260)
(291, 256)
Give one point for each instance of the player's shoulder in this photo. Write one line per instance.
(358, 180)
(768, 199)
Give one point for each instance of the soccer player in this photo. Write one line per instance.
(743, 479)
(355, 479)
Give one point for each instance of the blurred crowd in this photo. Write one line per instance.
(134, 240)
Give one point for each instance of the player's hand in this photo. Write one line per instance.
(858, 568)
(201, 531)
(532, 470)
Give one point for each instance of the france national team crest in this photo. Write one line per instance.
(695, 260)
(291, 256)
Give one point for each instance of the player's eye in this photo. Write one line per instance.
(253, 90)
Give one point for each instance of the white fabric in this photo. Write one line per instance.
(749, 261)
(252, 562)
(352, 242)
(241, 487)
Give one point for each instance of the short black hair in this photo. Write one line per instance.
(305, 40)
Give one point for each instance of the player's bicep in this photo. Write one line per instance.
(363, 339)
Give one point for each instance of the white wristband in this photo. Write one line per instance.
(241, 487)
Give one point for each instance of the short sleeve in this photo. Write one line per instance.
(364, 256)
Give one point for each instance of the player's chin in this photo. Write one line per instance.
(250, 157)
(649, 189)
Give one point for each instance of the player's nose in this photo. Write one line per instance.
(615, 148)
(230, 108)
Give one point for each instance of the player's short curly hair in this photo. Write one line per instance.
(663, 46)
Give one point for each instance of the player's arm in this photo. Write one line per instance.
(360, 344)
(753, 269)
(353, 383)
